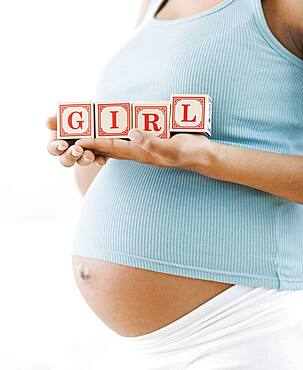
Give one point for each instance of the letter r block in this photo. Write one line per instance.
(191, 113)
(152, 116)
(75, 120)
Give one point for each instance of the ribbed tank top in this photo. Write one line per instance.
(178, 221)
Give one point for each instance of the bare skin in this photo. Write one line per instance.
(134, 301)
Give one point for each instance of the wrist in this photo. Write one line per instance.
(207, 160)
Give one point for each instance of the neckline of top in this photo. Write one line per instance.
(203, 13)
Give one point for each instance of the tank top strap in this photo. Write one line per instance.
(153, 6)
(256, 8)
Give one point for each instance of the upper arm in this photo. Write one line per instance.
(84, 176)
(144, 6)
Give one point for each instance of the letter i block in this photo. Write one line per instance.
(75, 120)
(191, 113)
(152, 116)
(113, 119)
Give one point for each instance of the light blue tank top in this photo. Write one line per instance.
(180, 222)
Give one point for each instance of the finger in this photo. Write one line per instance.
(157, 151)
(57, 147)
(100, 160)
(71, 155)
(52, 134)
(114, 148)
(105, 146)
(149, 142)
(86, 158)
(51, 122)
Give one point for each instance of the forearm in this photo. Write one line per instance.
(275, 173)
(84, 175)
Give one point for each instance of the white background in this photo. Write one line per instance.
(50, 51)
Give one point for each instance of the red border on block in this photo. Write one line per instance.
(176, 99)
(101, 106)
(62, 108)
(163, 108)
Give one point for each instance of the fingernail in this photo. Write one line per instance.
(75, 153)
(135, 136)
(87, 159)
(100, 162)
(61, 147)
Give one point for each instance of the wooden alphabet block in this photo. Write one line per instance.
(191, 113)
(113, 119)
(75, 120)
(152, 116)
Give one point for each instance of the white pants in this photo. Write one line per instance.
(242, 328)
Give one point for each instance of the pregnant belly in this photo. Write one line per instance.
(133, 301)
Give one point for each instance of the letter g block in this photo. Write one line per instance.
(75, 120)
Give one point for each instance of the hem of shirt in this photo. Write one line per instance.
(189, 271)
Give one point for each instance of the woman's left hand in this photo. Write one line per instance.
(184, 150)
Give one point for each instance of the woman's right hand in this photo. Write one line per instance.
(70, 154)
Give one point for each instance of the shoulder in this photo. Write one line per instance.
(143, 10)
(291, 13)
(293, 10)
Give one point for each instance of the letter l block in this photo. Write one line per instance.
(191, 113)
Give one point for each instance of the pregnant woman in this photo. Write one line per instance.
(191, 248)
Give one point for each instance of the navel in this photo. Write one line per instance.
(83, 272)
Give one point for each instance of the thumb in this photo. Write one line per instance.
(146, 140)
(51, 122)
